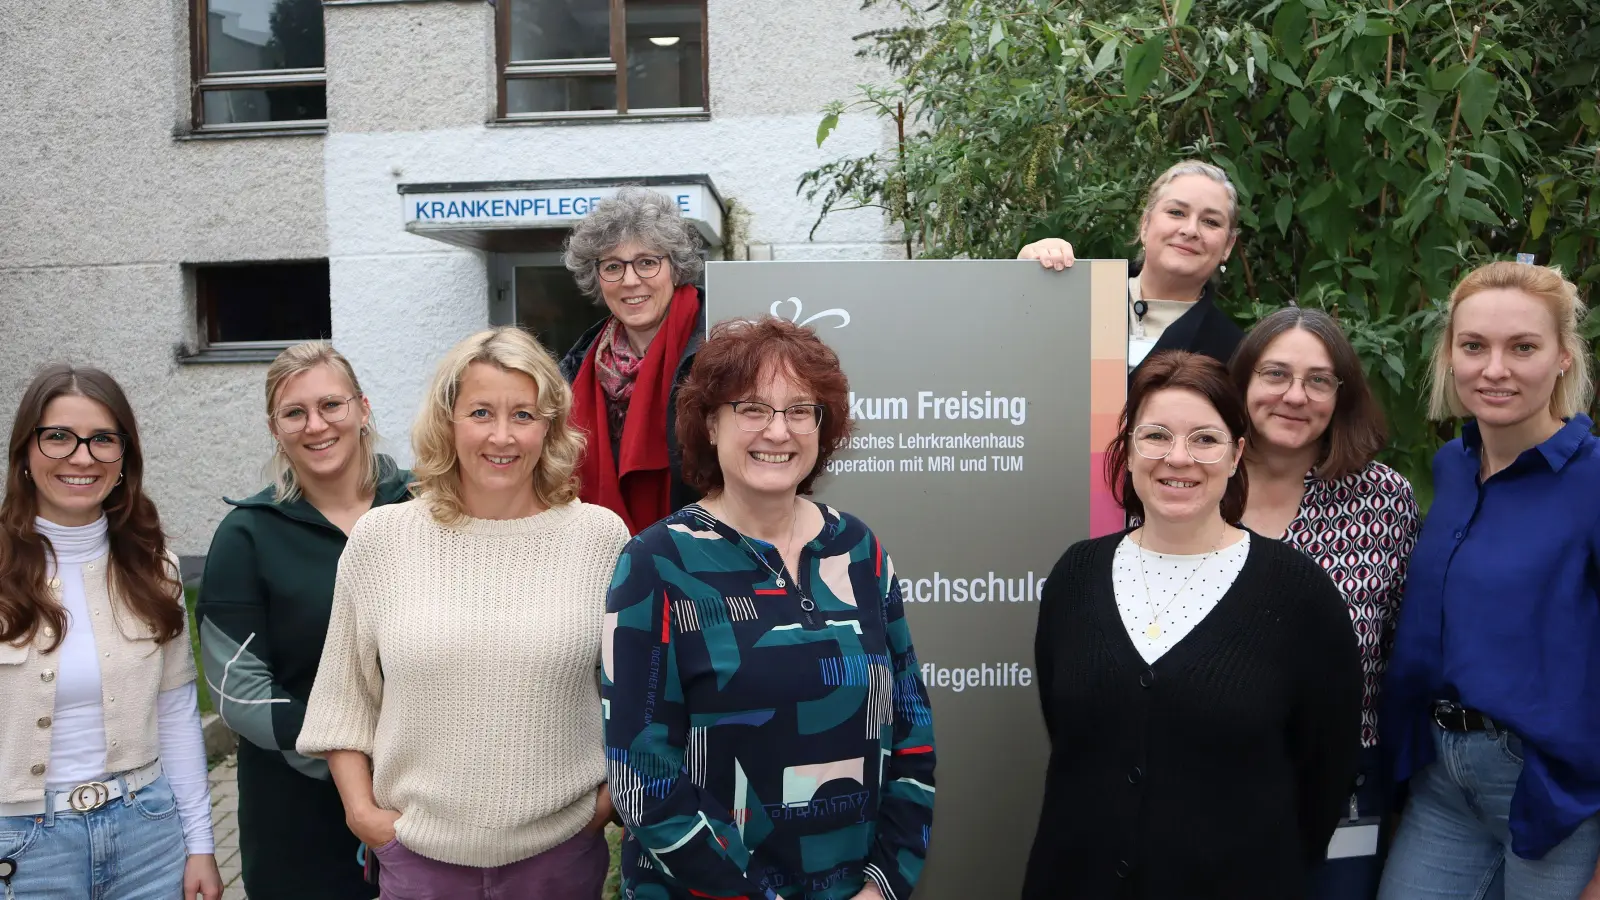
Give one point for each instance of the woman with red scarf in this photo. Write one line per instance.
(638, 256)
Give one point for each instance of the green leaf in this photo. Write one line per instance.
(1258, 49)
(997, 34)
(1299, 107)
(1284, 210)
(1182, 14)
(1475, 210)
(1395, 364)
(1104, 59)
(1589, 113)
(1183, 95)
(1536, 221)
(1285, 74)
(826, 127)
(1140, 67)
(1479, 91)
(1289, 28)
(1457, 190)
(1334, 96)
(1318, 196)
(1365, 273)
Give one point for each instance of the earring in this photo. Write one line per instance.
(119, 479)
(26, 473)
(363, 431)
(1223, 268)
(1561, 374)
(1450, 370)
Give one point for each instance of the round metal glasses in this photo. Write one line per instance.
(1206, 446)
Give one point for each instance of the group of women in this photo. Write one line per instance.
(602, 594)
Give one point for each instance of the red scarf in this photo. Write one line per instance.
(638, 487)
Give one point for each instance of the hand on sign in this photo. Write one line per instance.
(1052, 253)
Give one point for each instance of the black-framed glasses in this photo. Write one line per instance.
(60, 443)
(753, 415)
(1318, 385)
(1206, 445)
(293, 419)
(613, 270)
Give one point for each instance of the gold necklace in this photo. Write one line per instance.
(1153, 630)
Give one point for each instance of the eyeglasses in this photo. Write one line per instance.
(293, 419)
(612, 270)
(60, 443)
(753, 415)
(1205, 446)
(1318, 385)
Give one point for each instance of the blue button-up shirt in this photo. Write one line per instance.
(1502, 615)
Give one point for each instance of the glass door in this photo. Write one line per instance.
(536, 291)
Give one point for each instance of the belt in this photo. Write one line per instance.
(1454, 717)
(88, 796)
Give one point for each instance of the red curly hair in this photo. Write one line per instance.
(729, 366)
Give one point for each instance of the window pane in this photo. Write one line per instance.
(560, 29)
(564, 94)
(550, 305)
(271, 302)
(664, 54)
(256, 35)
(235, 107)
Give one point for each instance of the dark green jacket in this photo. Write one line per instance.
(263, 613)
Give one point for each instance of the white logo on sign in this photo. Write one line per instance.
(842, 315)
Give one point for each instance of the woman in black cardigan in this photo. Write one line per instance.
(1186, 234)
(1201, 686)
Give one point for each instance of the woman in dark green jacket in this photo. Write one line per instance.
(264, 605)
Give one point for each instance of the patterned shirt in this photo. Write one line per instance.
(1360, 529)
(765, 738)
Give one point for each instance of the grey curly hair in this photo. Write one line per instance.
(638, 214)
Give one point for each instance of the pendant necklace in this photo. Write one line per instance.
(779, 580)
(1153, 631)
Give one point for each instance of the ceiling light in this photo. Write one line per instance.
(665, 41)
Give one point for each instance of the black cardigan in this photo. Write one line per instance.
(1203, 328)
(1218, 772)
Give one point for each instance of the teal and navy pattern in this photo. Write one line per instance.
(764, 741)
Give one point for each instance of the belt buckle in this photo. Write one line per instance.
(1441, 710)
(89, 796)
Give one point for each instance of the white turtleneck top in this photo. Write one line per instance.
(78, 734)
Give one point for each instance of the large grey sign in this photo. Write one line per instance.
(978, 405)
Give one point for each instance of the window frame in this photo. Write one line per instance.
(206, 320)
(201, 82)
(507, 70)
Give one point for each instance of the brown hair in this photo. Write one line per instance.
(731, 362)
(142, 576)
(1357, 430)
(1178, 370)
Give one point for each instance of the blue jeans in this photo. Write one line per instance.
(1454, 842)
(130, 849)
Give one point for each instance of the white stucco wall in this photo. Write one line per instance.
(103, 205)
(100, 209)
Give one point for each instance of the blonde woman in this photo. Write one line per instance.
(457, 701)
(1186, 234)
(1489, 702)
(264, 607)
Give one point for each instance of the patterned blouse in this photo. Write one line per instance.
(765, 738)
(1360, 529)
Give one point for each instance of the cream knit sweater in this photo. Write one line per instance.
(462, 659)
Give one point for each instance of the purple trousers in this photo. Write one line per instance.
(575, 870)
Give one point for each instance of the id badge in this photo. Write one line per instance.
(1354, 837)
(1138, 349)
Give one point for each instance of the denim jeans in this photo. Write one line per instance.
(130, 849)
(1454, 841)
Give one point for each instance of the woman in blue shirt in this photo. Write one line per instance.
(1491, 706)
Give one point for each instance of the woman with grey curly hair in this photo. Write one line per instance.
(637, 255)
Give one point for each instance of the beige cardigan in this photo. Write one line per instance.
(131, 664)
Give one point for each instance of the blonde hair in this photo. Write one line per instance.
(433, 439)
(291, 362)
(1192, 167)
(1544, 283)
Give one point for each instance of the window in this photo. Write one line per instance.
(262, 307)
(258, 65)
(564, 58)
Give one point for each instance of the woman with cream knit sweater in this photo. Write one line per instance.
(457, 701)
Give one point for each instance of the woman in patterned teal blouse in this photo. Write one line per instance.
(767, 730)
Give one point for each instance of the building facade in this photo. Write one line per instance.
(190, 185)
